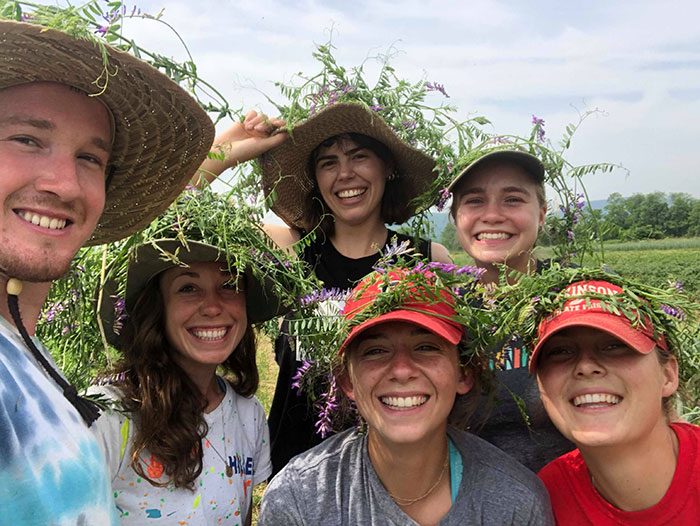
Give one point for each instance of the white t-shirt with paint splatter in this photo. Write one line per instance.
(216, 499)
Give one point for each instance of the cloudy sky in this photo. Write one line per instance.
(638, 62)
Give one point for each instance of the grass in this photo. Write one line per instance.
(267, 369)
(654, 261)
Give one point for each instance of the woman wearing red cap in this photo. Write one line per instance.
(404, 361)
(607, 366)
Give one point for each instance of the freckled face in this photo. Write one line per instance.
(205, 315)
(404, 381)
(54, 148)
(598, 391)
(498, 215)
(351, 180)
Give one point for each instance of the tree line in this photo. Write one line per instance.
(647, 216)
(640, 216)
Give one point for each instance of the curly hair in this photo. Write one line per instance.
(168, 405)
(394, 209)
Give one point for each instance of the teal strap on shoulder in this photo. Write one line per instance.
(456, 468)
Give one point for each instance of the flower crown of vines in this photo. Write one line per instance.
(519, 308)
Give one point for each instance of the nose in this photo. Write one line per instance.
(403, 366)
(493, 212)
(345, 170)
(211, 304)
(58, 175)
(587, 364)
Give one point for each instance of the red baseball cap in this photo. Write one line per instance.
(434, 315)
(582, 311)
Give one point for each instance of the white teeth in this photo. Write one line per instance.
(51, 223)
(353, 192)
(493, 235)
(596, 398)
(404, 402)
(209, 334)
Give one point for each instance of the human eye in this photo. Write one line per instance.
(360, 155)
(614, 346)
(25, 140)
(325, 164)
(96, 160)
(558, 351)
(186, 288)
(471, 200)
(514, 199)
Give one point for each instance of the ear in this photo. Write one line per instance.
(543, 213)
(670, 372)
(389, 168)
(343, 380)
(465, 380)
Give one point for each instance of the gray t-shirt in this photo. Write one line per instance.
(335, 484)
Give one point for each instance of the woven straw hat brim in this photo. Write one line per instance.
(147, 261)
(162, 135)
(531, 164)
(285, 168)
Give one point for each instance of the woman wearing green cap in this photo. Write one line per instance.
(187, 445)
(498, 207)
(344, 174)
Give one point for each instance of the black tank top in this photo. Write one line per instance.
(292, 417)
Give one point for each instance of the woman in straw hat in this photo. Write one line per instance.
(404, 359)
(606, 356)
(345, 175)
(187, 444)
(498, 207)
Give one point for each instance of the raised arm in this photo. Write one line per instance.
(241, 142)
(439, 253)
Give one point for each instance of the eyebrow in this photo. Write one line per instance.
(43, 124)
(507, 189)
(335, 156)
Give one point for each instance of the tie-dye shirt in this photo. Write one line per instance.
(217, 499)
(51, 469)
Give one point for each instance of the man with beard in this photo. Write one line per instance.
(77, 156)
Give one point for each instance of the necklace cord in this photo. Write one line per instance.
(87, 408)
(407, 502)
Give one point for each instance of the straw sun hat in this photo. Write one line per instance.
(148, 260)
(161, 133)
(285, 168)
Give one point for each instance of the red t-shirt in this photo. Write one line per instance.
(576, 502)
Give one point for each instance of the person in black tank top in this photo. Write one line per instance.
(344, 176)
(498, 206)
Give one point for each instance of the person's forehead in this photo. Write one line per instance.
(35, 102)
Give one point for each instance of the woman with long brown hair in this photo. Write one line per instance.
(186, 444)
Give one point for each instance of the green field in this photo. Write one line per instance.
(653, 261)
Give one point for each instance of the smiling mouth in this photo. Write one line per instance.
(209, 334)
(351, 192)
(52, 223)
(596, 400)
(493, 235)
(403, 402)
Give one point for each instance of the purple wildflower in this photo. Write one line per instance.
(327, 406)
(27, 17)
(102, 30)
(434, 86)
(119, 314)
(570, 234)
(298, 378)
(318, 296)
(409, 125)
(676, 285)
(672, 311)
(377, 107)
(312, 109)
(539, 124)
(445, 194)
